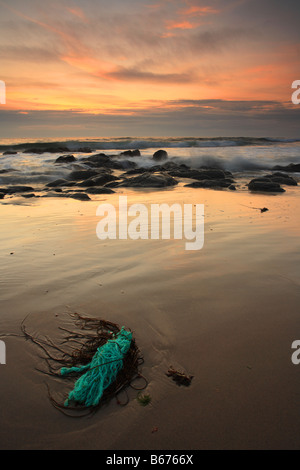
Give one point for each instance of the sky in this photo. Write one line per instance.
(97, 68)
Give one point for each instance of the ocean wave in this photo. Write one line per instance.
(130, 143)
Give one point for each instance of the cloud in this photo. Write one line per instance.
(28, 53)
(196, 10)
(138, 75)
(176, 118)
(181, 25)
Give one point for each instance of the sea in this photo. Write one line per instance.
(32, 161)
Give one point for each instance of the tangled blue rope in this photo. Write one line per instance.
(101, 372)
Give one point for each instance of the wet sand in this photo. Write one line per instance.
(226, 314)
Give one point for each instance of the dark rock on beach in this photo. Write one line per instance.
(2, 195)
(98, 160)
(217, 184)
(104, 161)
(282, 178)
(79, 196)
(99, 190)
(132, 153)
(98, 180)
(65, 159)
(17, 189)
(201, 174)
(265, 185)
(292, 168)
(55, 183)
(149, 180)
(80, 175)
(29, 195)
(40, 151)
(123, 165)
(10, 152)
(160, 155)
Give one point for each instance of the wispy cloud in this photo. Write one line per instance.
(175, 24)
(196, 10)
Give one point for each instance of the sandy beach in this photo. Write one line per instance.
(226, 314)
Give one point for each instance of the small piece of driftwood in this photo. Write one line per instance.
(179, 377)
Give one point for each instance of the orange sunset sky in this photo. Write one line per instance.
(141, 67)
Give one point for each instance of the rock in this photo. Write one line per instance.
(160, 155)
(123, 165)
(202, 174)
(221, 183)
(80, 196)
(2, 195)
(282, 178)
(39, 150)
(65, 159)
(149, 180)
(168, 167)
(18, 189)
(104, 161)
(132, 153)
(98, 180)
(10, 152)
(265, 185)
(232, 187)
(98, 190)
(80, 175)
(99, 160)
(292, 167)
(30, 195)
(59, 182)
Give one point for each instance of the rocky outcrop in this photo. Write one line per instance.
(291, 168)
(98, 180)
(80, 175)
(65, 159)
(149, 180)
(201, 174)
(59, 182)
(265, 185)
(160, 156)
(79, 196)
(212, 184)
(132, 153)
(282, 178)
(16, 189)
(99, 190)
